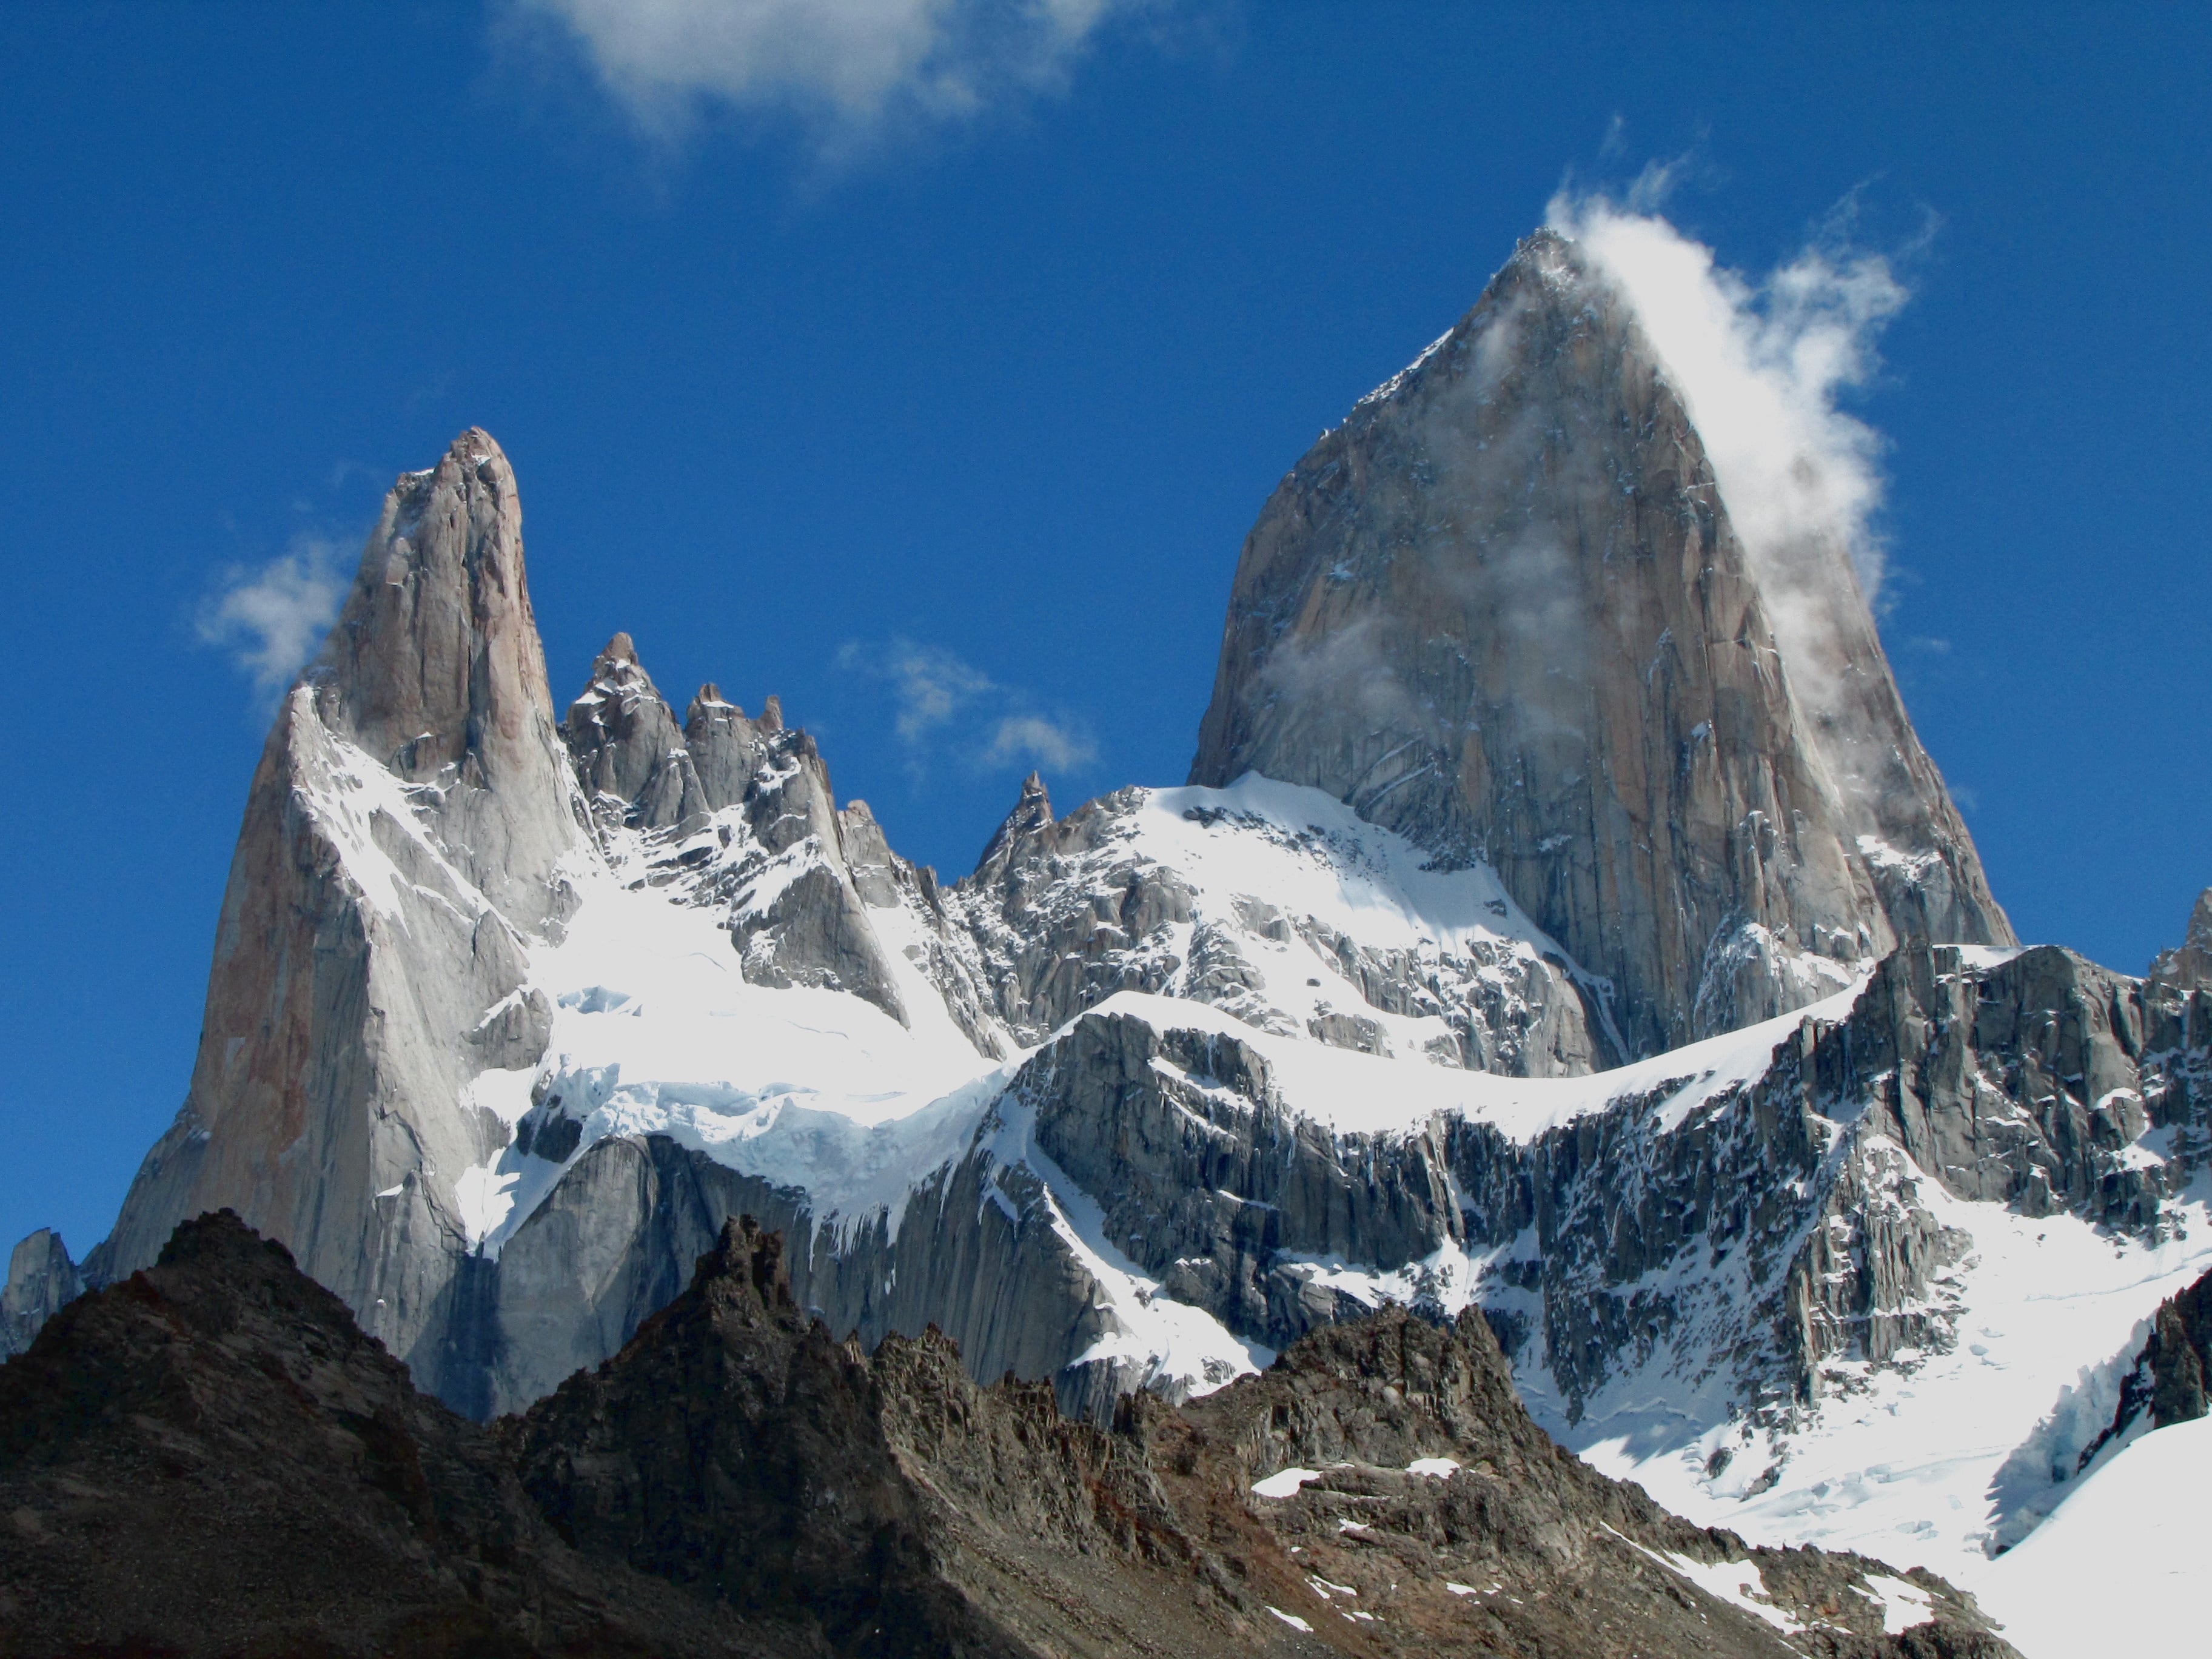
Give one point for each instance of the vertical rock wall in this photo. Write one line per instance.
(403, 838)
(1502, 610)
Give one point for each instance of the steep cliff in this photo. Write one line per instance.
(409, 829)
(1501, 610)
(41, 1281)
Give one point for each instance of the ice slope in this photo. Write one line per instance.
(656, 1031)
(1902, 1463)
(2121, 1566)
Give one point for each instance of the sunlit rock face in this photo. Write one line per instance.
(407, 837)
(1501, 610)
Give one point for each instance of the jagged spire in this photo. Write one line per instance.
(2191, 964)
(435, 668)
(1032, 812)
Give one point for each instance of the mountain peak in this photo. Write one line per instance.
(1032, 812)
(1502, 610)
(2191, 964)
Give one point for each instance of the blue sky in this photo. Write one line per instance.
(957, 359)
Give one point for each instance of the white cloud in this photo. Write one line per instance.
(932, 685)
(1033, 738)
(943, 702)
(845, 65)
(1760, 365)
(271, 617)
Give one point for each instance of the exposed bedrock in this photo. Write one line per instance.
(975, 1255)
(1743, 1236)
(211, 1459)
(737, 816)
(41, 1280)
(738, 1449)
(1065, 912)
(402, 836)
(1503, 610)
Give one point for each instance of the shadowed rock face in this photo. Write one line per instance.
(2171, 1380)
(1501, 610)
(41, 1281)
(210, 1458)
(734, 1447)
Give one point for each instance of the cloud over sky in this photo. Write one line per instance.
(847, 66)
(271, 617)
(1761, 365)
(945, 705)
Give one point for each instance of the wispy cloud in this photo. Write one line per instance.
(1762, 365)
(947, 705)
(846, 68)
(1026, 739)
(270, 618)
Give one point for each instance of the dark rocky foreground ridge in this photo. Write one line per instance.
(210, 1457)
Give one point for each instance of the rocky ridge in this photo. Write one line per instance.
(259, 1475)
(409, 831)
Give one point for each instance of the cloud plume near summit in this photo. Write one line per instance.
(844, 66)
(1761, 365)
(271, 617)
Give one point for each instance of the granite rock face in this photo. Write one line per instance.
(737, 816)
(404, 839)
(1503, 610)
(509, 1017)
(2189, 966)
(630, 758)
(1753, 1237)
(1064, 913)
(41, 1281)
(1759, 1241)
